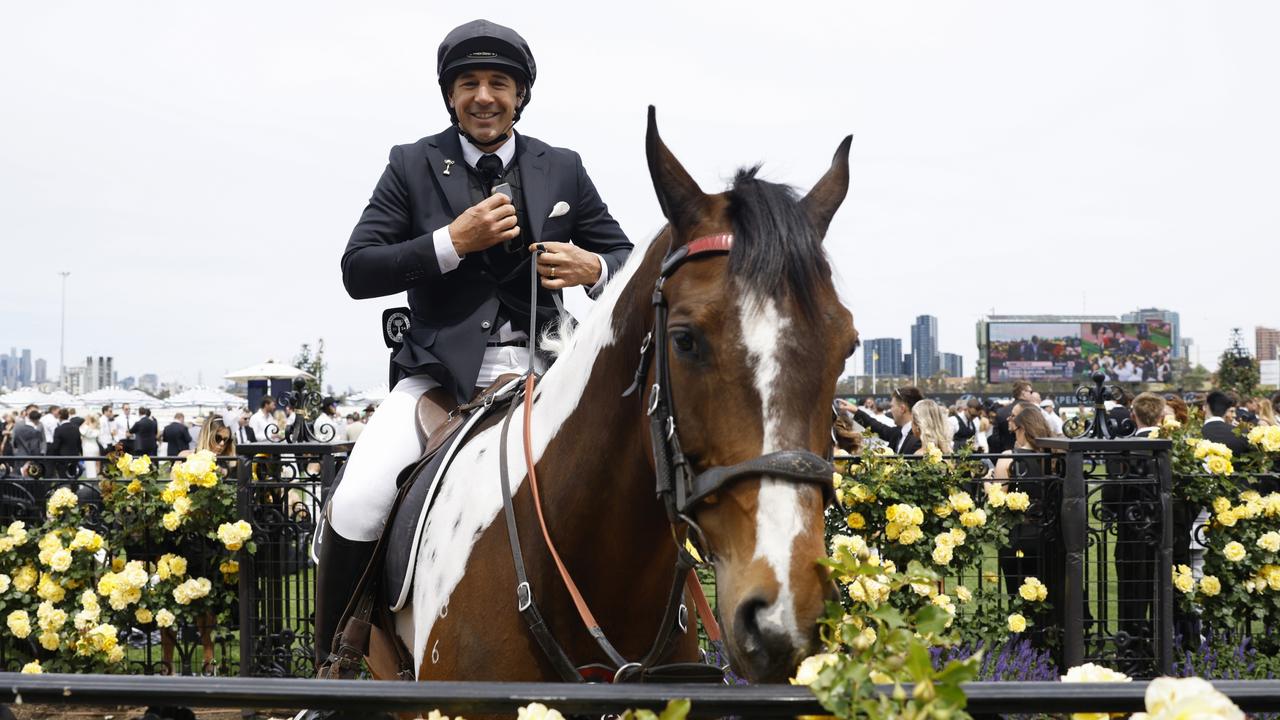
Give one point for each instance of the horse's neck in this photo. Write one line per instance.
(596, 472)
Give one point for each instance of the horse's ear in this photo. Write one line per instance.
(679, 196)
(824, 199)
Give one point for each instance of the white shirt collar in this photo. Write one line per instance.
(906, 431)
(1143, 429)
(472, 154)
(1213, 418)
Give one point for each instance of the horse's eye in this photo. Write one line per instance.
(684, 342)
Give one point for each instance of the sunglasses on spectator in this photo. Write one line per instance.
(222, 439)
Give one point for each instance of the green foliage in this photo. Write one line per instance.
(312, 362)
(675, 710)
(1237, 373)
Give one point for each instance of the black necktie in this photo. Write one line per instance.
(490, 168)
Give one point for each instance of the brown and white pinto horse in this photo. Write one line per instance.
(756, 340)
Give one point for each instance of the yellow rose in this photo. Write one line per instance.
(996, 495)
(19, 623)
(974, 518)
(1210, 586)
(1234, 551)
(140, 465)
(50, 590)
(143, 615)
(806, 674)
(1017, 623)
(944, 540)
(1221, 505)
(4, 583)
(61, 560)
(1218, 465)
(960, 501)
(1091, 673)
(856, 521)
(1032, 590)
(60, 500)
(115, 654)
(958, 536)
(910, 535)
(1270, 541)
(171, 521)
(942, 555)
(1184, 583)
(963, 594)
(864, 639)
(32, 668)
(25, 578)
(182, 505)
(49, 640)
(234, 535)
(1018, 501)
(164, 618)
(942, 510)
(134, 487)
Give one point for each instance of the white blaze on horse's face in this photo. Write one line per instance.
(779, 520)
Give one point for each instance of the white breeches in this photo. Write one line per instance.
(359, 508)
(390, 442)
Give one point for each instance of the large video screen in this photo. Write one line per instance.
(1125, 352)
(1033, 351)
(1129, 352)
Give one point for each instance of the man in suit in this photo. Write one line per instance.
(455, 221)
(144, 433)
(28, 439)
(66, 443)
(1133, 505)
(899, 436)
(176, 436)
(244, 433)
(1216, 428)
(1001, 435)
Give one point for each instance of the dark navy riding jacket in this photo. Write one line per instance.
(454, 314)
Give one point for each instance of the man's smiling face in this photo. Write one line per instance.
(485, 102)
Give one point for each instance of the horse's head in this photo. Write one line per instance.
(755, 341)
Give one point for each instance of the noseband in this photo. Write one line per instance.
(680, 487)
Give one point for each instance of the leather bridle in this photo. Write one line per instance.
(679, 486)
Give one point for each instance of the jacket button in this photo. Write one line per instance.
(485, 325)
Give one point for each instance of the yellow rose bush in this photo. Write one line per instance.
(73, 585)
(941, 514)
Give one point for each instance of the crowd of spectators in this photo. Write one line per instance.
(63, 432)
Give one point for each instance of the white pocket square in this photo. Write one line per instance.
(561, 208)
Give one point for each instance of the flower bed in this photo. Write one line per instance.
(156, 548)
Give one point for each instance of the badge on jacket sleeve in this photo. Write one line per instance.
(395, 323)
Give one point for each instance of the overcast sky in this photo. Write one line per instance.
(198, 167)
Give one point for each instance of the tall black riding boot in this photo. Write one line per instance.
(342, 563)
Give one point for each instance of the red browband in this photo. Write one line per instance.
(710, 243)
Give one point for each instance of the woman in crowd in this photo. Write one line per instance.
(90, 429)
(215, 437)
(1266, 413)
(929, 423)
(1030, 550)
(1176, 407)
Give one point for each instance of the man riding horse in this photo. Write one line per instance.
(455, 220)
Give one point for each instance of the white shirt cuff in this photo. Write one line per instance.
(446, 256)
(604, 276)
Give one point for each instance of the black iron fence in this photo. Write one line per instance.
(471, 698)
(1097, 533)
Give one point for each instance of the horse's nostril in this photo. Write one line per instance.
(748, 620)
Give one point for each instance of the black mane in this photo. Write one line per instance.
(775, 246)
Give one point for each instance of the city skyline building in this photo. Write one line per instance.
(882, 357)
(953, 364)
(41, 371)
(1266, 343)
(924, 347)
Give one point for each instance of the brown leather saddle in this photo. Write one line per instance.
(438, 414)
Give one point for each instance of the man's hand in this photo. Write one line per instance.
(483, 225)
(564, 265)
